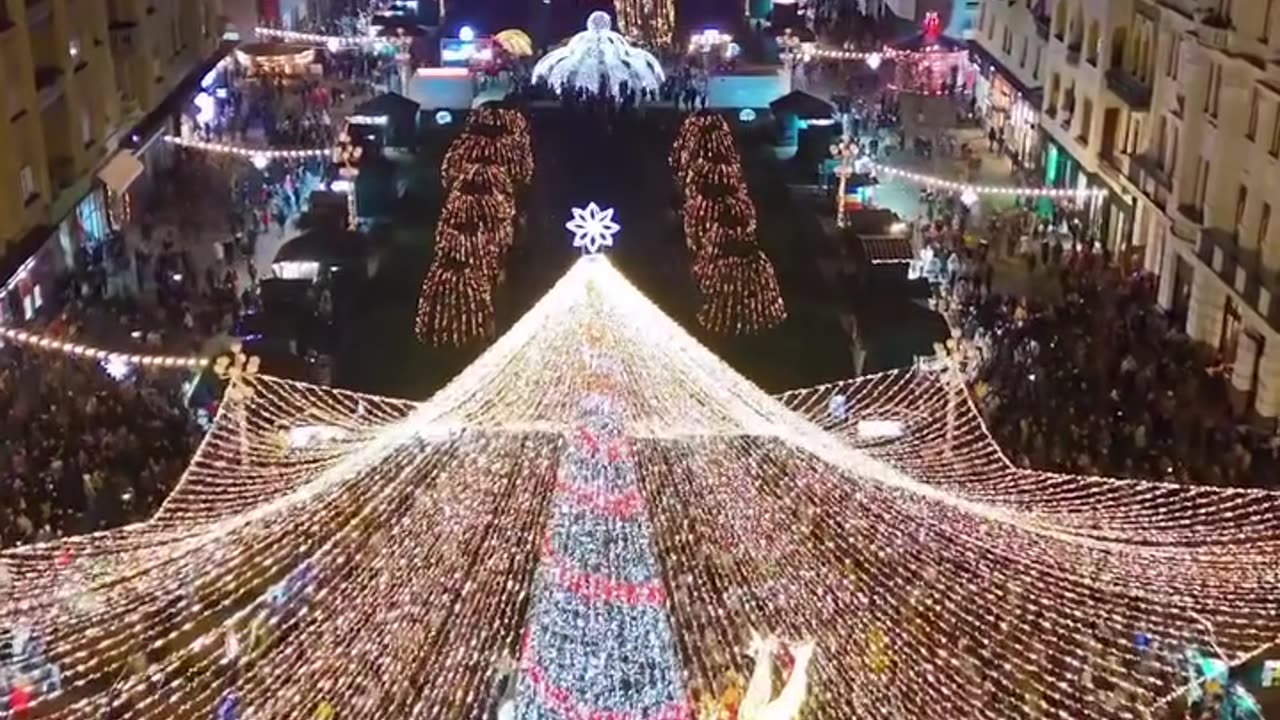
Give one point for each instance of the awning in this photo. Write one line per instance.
(120, 171)
(886, 250)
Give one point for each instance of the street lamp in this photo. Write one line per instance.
(845, 152)
(346, 155)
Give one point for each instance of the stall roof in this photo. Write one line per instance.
(387, 103)
(802, 105)
(325, 246)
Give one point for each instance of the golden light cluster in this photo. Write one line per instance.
(651, 22)
(483, 169)
(739, 288)
(495, 136)
(330, 553)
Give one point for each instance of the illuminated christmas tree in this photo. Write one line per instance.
(598, 642)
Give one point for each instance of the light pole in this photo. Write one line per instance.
(845, 152)
(346, 155)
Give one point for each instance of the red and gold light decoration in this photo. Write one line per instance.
(739, 288)
(333, 554)
(495, 136)
(456, 307)
(482, 171)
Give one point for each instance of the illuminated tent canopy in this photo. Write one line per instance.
(600, 512)
(599, 57)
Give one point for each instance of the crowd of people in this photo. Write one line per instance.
(81, 450)
(1097, 379)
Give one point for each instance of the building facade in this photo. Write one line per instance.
(1173, 106)
(1204, 168)
(1008, 47)
(76, 75)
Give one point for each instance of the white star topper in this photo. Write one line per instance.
(592, 228)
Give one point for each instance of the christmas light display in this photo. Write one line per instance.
(652, 22)
(456, 304)
(706, 136)
(385, 567)
(593, 228)
(726, 220)
(253, 154)
(471, 148)
(598, 638)
(36, 341)
(1006, 190)
(599, 59)
(740, 291)
(481, 170)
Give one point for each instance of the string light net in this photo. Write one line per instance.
(456, 304)
(599, 60)
(379, 557)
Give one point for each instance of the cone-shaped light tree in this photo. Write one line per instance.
(739, 288)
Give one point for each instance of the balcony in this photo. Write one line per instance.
(1128, 88)
(1192, 213)
(1241, 269)
(38, 11)
(1216, 31)
(48, 84)
(1042, 27)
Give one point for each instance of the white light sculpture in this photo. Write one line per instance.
(598, 57)
(592, 228)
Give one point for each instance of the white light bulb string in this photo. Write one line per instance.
(423, 523)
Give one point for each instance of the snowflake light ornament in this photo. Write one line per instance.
(592, 228)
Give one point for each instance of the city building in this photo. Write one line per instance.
(1087, 120)
(1172, 106)
(78, 75)
(959, 17)
(1007, 47)
(1201, 81)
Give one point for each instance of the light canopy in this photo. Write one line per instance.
(597, 492)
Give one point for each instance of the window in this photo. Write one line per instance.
(1242, 202)
(1212, 89)
(1175, 57)
(1202, 184)
(86, 126)
(1268, 6)
(1251, 131)
(1086, 122)
(1264, 224)
(27, 183)
(1275, 133)
(1022, 55)
(1035, 72)
(1006, 41)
